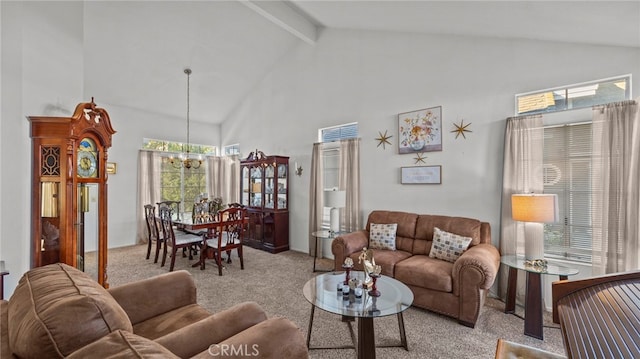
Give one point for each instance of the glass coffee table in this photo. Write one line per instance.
(395, 297)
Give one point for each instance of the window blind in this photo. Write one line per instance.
(567, 173)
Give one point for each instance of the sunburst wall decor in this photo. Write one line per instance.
(420, 157)
(461, 129)
(383, 139)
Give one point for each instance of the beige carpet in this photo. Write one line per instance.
(275, 281)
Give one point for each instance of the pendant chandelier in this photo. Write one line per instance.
(185, 160)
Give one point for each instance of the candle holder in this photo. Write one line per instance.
(374, 292)
(347, 269)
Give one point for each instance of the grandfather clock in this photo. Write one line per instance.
(69, 190)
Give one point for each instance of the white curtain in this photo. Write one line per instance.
(223, 178)
(349, 181)
(522, 173)
(149, 172)
(616, 170)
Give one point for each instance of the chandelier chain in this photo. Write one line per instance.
(188, 72)
(187, 162)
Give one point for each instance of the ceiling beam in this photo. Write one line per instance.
(284, 16)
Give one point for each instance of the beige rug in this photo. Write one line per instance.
(275, 281)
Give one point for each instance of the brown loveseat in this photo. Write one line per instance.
(58, 311)
(455, 289)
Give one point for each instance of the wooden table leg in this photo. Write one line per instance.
(512, 283)
(366, 339)
(533, 306)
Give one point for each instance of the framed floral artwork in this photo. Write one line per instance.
(420, 131)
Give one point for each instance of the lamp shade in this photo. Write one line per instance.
(541, 208)
(335, 199)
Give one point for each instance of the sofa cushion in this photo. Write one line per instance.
(422, 271)
(171, 321)
(382, 236)
(61, 309)
(448, 246)
(121, 344)
(406, 226)
(386, 259)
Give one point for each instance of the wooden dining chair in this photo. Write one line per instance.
(174, 206)
(177, 240)
(154, 235)
(229, 235)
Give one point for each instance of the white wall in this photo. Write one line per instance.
(370, 77)
(43, 58)
(42, 61)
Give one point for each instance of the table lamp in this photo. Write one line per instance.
(534, 210)
(334, 199)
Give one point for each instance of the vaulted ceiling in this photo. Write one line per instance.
(136, 58)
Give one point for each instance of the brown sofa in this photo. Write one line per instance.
(58, 311)
(455, 289)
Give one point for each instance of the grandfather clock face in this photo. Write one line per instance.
(87, 166)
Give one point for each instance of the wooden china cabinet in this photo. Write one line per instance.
(264, 191)
(69, 190)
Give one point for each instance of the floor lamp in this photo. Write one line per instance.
(334, 199)
(534, 210)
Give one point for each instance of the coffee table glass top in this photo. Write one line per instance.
(326, 234)
(552, 269)
(321, 291)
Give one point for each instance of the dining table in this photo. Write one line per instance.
(187, 224)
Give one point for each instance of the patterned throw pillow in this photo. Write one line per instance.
(383, 236)
(448, 246)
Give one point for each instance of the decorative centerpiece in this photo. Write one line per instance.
(367, 261)
(347, 265)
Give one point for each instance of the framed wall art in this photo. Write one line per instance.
(421, 175)
(420, 131)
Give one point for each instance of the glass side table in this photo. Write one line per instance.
(3, 272)
(533, 296)
(323, 234)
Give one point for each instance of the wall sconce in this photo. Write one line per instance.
(49, 199)
(298, 169)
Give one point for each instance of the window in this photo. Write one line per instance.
(231, 149)
(567, 173)
(337, 133)
(331, 157)
(169, 146)
(574, 96)
(180, 184)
